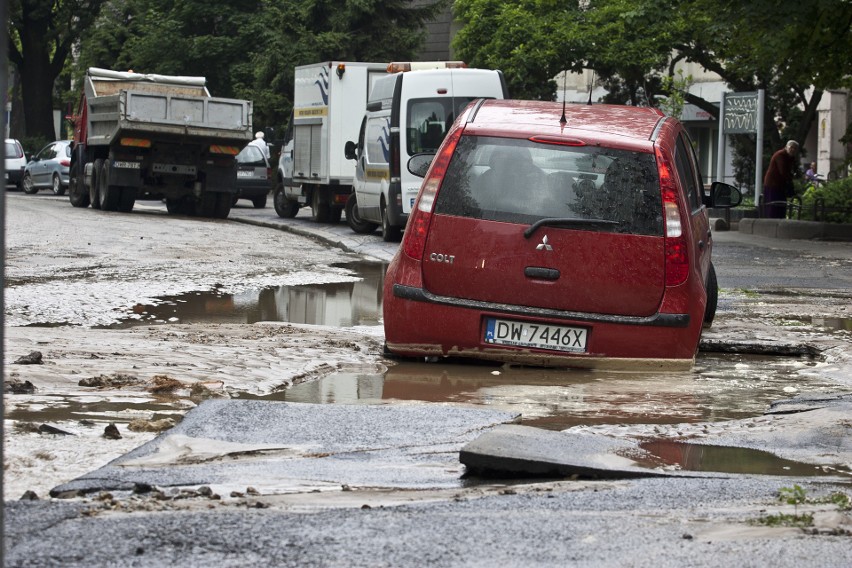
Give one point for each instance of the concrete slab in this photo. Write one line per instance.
(279, 447)
(512, 450)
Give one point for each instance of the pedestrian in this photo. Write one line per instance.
(260, 143)
(778, 181)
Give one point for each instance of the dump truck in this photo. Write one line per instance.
(156, 136)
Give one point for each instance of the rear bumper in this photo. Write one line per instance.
(418, 323)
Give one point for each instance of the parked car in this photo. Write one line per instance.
(49, 168)
(544, 235)
(15, 161)
(254, 176)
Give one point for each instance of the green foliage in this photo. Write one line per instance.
(796, 496)
(249, 48)
(834, 198)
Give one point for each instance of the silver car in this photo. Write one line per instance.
(49, 168)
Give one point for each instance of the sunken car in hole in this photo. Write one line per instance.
(557, 235)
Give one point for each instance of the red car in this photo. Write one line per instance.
(557, 235)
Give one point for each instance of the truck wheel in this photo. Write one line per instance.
(285, 208)
(334, 214)
(127, 200)
(56, 185)
(27, 184)
(176, 206)
(223, 206)
(354, 220)
(94, 192)
(110, 194)
(77, 193)
(320, 212)
(389, 234)
(712, 297)
(259, 202)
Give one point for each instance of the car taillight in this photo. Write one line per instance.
(677, 253)
(414, 242)
(65, 162)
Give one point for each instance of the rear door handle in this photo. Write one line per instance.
(541, 273)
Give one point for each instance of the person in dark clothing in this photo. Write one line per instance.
(778, 181)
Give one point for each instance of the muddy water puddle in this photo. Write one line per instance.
(341, 304)
(707, 458)
(719, 387)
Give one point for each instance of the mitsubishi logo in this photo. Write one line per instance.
(544, 245)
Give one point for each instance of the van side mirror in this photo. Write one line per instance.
(723, 196)
(419, 164)
(349, 150)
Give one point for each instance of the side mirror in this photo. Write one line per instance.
(723, 196)
(349, 150)
(419, 164)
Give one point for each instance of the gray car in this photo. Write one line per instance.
(254, 177)
(49, 168)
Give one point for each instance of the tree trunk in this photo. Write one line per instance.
(37, 83)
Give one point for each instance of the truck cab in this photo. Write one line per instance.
(409, 111)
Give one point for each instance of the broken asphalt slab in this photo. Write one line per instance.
(810, 429)
(279, 447)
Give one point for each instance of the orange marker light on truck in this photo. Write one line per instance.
(136, 142)
(230, 150)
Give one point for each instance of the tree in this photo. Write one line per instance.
(791, 51)
(300, 32)
(41, 34)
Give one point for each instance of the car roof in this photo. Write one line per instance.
(615, 125)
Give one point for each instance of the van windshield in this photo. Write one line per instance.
(429, 120)
(519, 181)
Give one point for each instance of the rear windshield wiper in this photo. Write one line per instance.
(566, 222)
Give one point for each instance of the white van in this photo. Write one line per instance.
(408, 112)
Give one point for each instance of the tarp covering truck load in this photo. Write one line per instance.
(156, 136)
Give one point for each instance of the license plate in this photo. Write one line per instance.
(244, 174)
(537, 335)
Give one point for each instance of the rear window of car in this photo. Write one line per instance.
(13, 150)
(251, 156)
(519, 181)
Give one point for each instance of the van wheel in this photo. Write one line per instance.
(389, 234)
(259, 202)
(77, 193)
(285, 208)
(712, 297)
(354, 220)
(320, 212)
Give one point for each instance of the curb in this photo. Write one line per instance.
(793, 229)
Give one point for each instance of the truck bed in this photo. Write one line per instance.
(173, 109)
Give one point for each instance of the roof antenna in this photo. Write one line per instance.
(591, 84)
(563, 120)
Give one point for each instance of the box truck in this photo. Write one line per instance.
(408, 112)
(328, 104)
